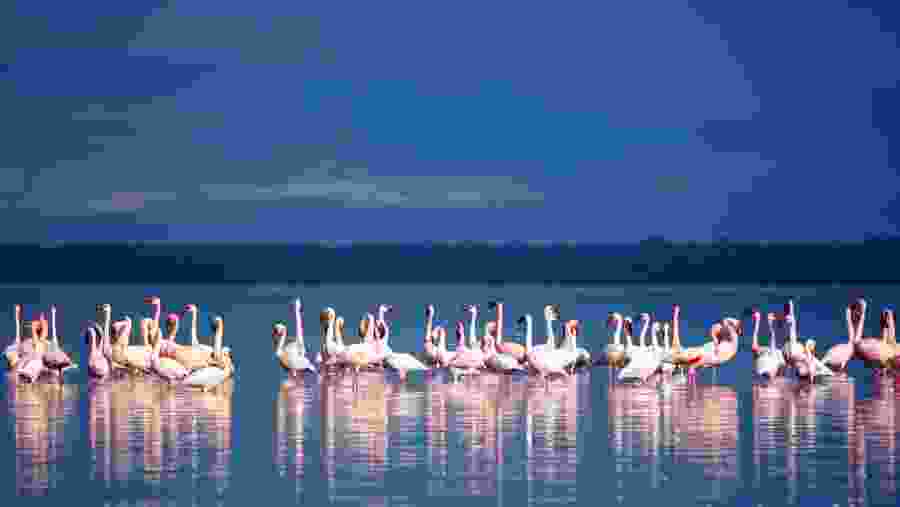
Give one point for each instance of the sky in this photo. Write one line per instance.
(409, 121)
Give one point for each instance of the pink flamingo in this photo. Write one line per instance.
(432, 351)
(444, 356)
(873, 351)
(504, 347)
(466, 361)
(98, 364)
(11, 354)
(170, 371)
(839, 355)
(31, 364)
(545, 363)
(499, 362)
(55, 359)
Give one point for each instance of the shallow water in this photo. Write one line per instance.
(486, 441)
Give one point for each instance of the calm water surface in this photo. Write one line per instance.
(493, 440)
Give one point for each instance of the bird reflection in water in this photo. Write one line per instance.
(877, 431)
(354, 436)
(294, 401)
(42, 412)
(142, 426)
(695, 424)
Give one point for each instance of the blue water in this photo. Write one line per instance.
(493, 440)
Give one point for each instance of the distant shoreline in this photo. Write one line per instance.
(653, 261)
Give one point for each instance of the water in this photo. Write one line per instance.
(491, 441)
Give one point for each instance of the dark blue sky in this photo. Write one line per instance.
(586, 121)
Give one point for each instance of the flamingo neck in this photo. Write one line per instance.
(217, 340)
(676, 337)
(298, 321)
(194, 340)
(756, 333)
(860, 326)
(499, 324)
(429, 323)
(18, 326)
(642, 339)
(107, 325)
(666, 338)
(528, 333)
(157, 310)
(617, 335)
(53, 336)
(472, 338)
(572, 336)
(551, 335)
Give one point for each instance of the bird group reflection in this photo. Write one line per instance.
(42, 413)
(142, 426)
(478, 435)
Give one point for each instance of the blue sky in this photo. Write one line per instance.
(585, 121)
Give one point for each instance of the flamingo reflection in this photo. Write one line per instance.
(294, 400)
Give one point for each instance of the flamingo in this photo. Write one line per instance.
(31, 363)
(402, 362)
(767, 361)
(220, 367)
(135, 359)
(98, 364)
(432, 351)
(666, 365)
(684, 357)
(166, 368)
(444, 356)
(614, 353)
(644, 364)
(330, 346)
(793, 349)
(192, 358)
(496, 361)
(875, 352)
(11, 354)
(581, 357)
(513, 349)
(725, 343)
(195, 341)
(551, 315)
(55, 359)
(292, 359)
(105, 312)
(466, 361)
(839, 355)
(892, 338)
(544, 363)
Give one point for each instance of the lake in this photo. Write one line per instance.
(493, 440)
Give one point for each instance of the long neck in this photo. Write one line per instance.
(298, 321)
(53, 327)
(528, 335)
(644, 325)
(756, 333)
(194, 340)
(217, 341)
(666, 337)
(157, 309)
(18, 327)
(676, 336)
(472, 329)
(107, 325)
(851, 329)
(572, 333)
(329, 332)
(551, 336)
(617, 335)
(860, 325)
(499, 322)
(429, 322)
(281, 339)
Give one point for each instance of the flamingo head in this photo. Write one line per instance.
(366, 326)
(339, 326)
(90, 335)
(552, 312)
(524, 320)
(494, 305)
(645, 317)
(384, 309)
(52, 310)
(429, 310)
(572, 327)
(18, 311)
(460, 332)
(215, 322)
(279, 329)
(613, 319)
(810, 346)
(628, 326)
(473, 309)
(152, 300)
(733, 325)
(676, 310)
(297, 305)
(190, 308)
(789, 319)
(106, 308)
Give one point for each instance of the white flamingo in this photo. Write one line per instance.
(220, 367)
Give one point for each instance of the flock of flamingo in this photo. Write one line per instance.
(36, 351)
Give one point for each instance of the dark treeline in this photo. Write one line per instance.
(654, 260)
